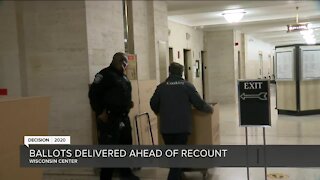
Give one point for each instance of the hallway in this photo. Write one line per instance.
(285, 130)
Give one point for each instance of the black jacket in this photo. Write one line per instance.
(172, 100)
(111, 91)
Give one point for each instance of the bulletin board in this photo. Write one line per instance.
(310, 62)
(285, 68)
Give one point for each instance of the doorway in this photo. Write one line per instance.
(239, 65)
(204, 74)
(260, 76)
(170, 55)
(187, 65)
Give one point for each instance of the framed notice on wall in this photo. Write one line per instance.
(310, 62)
(285, 68)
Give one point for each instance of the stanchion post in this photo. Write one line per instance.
(264, 152)
(248, 173)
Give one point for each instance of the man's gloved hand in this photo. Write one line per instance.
(211, 109)
(132, 105)
(103, 116)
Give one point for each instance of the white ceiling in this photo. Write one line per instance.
(265, 20)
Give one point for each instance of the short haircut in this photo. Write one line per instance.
(176, 69)
(119, 56)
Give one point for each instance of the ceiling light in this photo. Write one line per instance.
(306, 32)
(233, 16)
(313, 41)
(298, 26)
(310, 36)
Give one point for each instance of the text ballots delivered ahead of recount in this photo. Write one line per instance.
(254, 102)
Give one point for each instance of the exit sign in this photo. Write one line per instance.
(297, 27)
(3, 92)
(254, 102)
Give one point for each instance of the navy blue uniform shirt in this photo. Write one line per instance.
(110, 91)
(172, 101)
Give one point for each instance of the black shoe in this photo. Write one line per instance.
(130, 177)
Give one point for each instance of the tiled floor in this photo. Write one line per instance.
(285, 130)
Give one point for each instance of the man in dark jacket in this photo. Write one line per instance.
(172, 101)
(110, 98)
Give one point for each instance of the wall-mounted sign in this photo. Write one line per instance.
(131, 70)
(254, 102)
(297, 27)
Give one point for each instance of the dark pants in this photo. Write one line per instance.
(111, 133)
(175, 139)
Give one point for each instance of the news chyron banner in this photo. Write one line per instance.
(56, 151)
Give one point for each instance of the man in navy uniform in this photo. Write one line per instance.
(172, 101)
(110, 98)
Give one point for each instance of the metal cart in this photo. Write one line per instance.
(203, 171)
